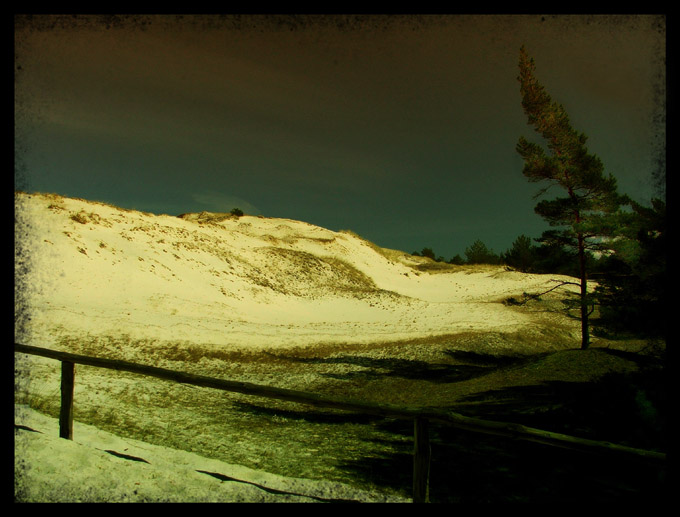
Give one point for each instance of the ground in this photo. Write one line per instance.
(616, 397)
(283, 303)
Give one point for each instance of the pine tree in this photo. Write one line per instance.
(427, 252)
(589, 210)
(457, 260)
(522, 255)
(478, 253)
(632, 288)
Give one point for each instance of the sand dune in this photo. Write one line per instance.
(96, 278)
(254, 282)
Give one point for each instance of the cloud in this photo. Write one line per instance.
(220, 202)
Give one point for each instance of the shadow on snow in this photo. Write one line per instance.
(469, 467)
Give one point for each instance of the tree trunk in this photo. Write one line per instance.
(585, 335)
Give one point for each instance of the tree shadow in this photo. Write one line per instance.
(629, 409)
(645, 361)
(468, 365)
(479, 468)
(475, 468)
(489, 360)
(304, 415)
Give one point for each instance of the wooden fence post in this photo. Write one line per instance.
(421, 461)
(66, 412)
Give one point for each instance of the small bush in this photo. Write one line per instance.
(79, 218)
(237, 212)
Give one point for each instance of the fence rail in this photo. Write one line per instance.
(420, 416)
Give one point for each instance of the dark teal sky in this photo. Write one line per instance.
(402, 129)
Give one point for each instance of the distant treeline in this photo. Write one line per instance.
(631, 278)
(523, 255)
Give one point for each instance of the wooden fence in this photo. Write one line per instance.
(420, 416)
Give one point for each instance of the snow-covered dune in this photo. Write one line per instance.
(106, 281)
(91, 268)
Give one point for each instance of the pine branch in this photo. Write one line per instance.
(562, 283)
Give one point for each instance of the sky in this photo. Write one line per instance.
(400, 128)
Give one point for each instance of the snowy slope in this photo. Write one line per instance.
(91, 268)
(88, 272)
(100, 467)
